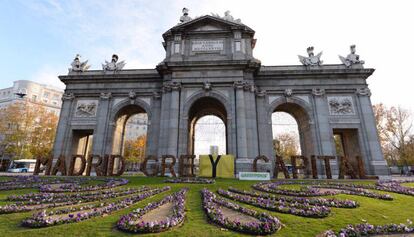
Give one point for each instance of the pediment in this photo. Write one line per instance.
(208, 27)
(208, 23)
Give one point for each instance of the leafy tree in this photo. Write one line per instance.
(286, 145)
(27, 130)
(134, 150)
(394, 127)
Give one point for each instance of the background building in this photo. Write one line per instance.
(48, 96)
(27, 121)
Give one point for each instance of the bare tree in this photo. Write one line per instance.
(394, 127)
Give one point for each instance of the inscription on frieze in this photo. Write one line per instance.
(207, 45)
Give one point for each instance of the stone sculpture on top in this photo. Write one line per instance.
(352, 58)
(114, 65)
(78, 66)
(311, 60)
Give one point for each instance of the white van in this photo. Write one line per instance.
(22, 166)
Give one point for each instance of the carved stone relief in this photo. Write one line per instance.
(86, 108)
(341, 105)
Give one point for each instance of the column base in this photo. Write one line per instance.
(380, 168)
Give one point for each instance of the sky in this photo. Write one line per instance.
(39, 39)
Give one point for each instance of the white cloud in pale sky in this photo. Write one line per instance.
(47, 75)
(382, 31)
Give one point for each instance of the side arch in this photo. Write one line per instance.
(294, 101)
(126, 102)
(125, 108)
(302, 112)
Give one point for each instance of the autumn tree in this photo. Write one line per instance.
(394, 127)
(134, 150)
(286, 145)
(27, 130)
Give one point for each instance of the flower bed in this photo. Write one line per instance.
(346, 189)
(196, 180)
(273, 188)
(35, 201)
(76, 214)
(310, 201)
(266, 223)
(312, 189)
(387, 185)
(38, 198)
(133, 222)
(395, 187)
(371, 230)
(110, 183)
(22, 182)
(294, 208)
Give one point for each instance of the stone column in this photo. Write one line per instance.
(375, 158)
(101, 129)
(63, 129)
(264, 129)
(154, 125)
(251, 121)
(164, 118)
(174, 119)
(324, 130)
(242, 158)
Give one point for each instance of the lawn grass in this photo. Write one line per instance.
(410, 185)
(372, 210)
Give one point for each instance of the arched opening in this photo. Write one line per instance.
(209, 136)
(291, 131)
(285, 135)
(130, 135)
(207, 126)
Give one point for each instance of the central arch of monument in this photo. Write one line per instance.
(209, 69)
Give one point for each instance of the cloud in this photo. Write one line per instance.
(47, 75)
(96, 29)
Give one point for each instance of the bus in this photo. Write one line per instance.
(22, 166)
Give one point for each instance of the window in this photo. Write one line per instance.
(34, 98)
(46, 94)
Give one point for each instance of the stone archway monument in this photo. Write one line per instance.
(209, 62)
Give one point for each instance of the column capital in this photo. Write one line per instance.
(105, 95)
(248, 86)
(169, 86)
(239, 84)
(260, 93)
(318, 92)
(68, 96)
(363, 91)
(156, 95)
